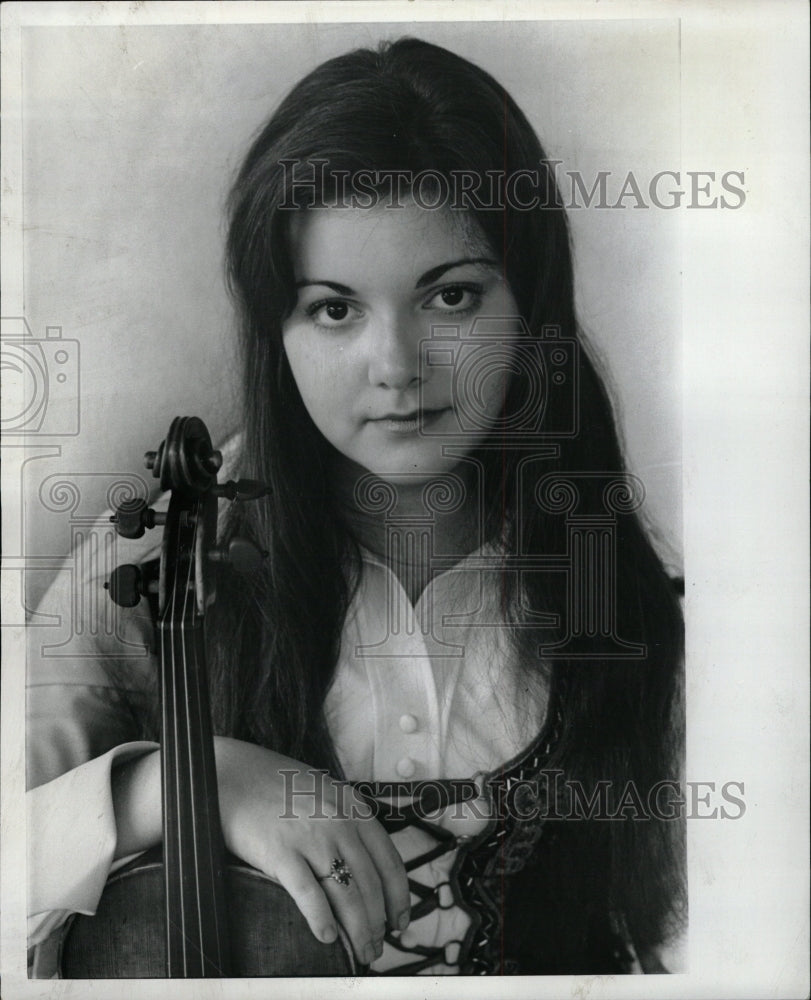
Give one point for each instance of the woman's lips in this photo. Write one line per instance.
(409, 423)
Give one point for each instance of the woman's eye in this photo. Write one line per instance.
(332, 312)
(456, 298)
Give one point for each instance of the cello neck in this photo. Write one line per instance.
(196, 926)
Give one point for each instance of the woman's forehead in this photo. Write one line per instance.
(405, 240)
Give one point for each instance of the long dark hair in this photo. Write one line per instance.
(274, 641)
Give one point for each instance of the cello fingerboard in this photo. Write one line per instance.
(196, 928)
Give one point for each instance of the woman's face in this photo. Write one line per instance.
(364, 343)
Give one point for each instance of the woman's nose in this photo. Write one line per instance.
(394, 353)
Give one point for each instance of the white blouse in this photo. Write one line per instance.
(430, 691)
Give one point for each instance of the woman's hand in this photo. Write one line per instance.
(291, 823)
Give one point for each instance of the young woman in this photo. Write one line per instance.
(460, 609)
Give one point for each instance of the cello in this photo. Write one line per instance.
(188, 908)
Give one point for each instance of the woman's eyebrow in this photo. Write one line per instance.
(426, 279)
(340, 289)
(436, 272)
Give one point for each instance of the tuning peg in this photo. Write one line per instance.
(133, 517)
(243, 555)
(126, 585)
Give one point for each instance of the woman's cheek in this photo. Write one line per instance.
(320, 373)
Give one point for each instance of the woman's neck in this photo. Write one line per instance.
(386, 516)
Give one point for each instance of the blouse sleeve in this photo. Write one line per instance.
(72, 839)
(91, 675)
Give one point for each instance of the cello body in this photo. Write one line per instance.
(269, 936)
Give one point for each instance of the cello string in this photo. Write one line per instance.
(208, 781)
(181, 881)
(182, 624)
(189, 602)
(167, 638)
(197, 759)
(209, 795)
(171, 808)
(173, 832)
(165, 667)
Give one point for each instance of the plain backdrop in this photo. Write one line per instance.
(132, 135)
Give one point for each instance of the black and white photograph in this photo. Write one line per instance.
(404, 485)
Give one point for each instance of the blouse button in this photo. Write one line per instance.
(408, 723)
(406, 767)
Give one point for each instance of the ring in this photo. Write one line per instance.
(339, 872)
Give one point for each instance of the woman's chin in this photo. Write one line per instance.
(413, 471)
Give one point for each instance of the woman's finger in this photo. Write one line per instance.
(296, 877)
(349, 906)
(391, 871)
(367, 880)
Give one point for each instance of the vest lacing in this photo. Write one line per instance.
(501, 849)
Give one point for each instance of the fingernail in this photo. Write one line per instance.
(404, 920)
(328, 934)
(370, 954)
